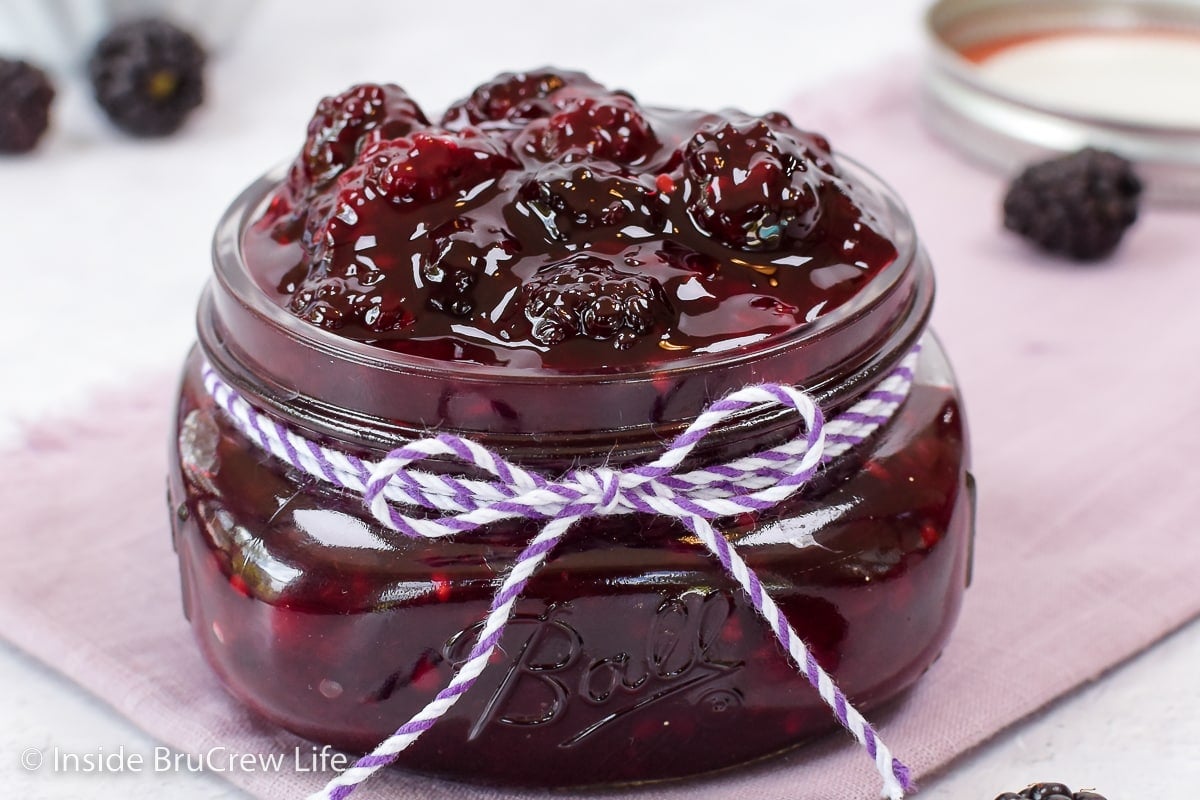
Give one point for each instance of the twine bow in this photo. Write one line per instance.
(752, 483)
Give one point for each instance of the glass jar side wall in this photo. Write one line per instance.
(339, 630)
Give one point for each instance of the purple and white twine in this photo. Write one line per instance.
(752, 483)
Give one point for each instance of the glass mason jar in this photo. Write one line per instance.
(630, 648)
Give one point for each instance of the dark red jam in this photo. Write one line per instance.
(631, 657)
(547, 221)
(570, 279)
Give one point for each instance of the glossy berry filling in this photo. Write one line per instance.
(439, 240)
(631, 656)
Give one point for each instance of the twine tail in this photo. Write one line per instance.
(895, 775)
(512, 587)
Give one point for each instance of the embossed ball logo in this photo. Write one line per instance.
(553, 673)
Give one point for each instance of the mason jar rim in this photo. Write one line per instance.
(363, 393)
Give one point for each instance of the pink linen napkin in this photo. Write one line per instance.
(1081, 394)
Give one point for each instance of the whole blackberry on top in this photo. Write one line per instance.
(25, 97)
(1049, 791)
(549, 220)
(1077, 206)
(148, 75)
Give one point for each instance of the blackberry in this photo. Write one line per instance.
(512, 99)
(428, 167)
(148, 75)
(587, 296)
(341, 125)
(569, 199)
(587, 126)
(1078, 205)
(335, 303)
(400, 173)
(461, 251)
(1049, 791)
(25, 97)
(758, 183)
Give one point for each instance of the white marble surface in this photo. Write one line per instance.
(91, 211)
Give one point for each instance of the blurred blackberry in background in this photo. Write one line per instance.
(1049, 791)
(1078, 205)
(148, 75)
(25, 97)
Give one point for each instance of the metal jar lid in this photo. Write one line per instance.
(1008, 128)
